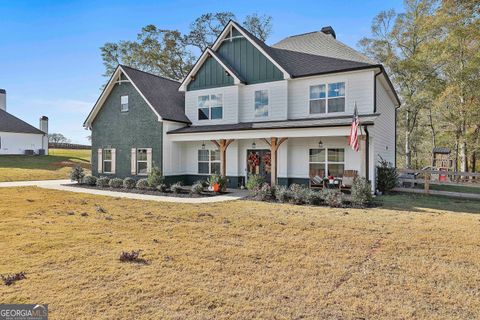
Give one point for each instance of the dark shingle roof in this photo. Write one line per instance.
(443, 150)
(161, 93)
(10, 123)
(286, 124)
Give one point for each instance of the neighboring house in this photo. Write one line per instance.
(282, 111)
(19, 137)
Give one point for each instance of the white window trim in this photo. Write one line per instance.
(209, 107)
(209, 161)
(325, 161)
(268, 104)
(327, 98)
(104, 160)
(122, 104)
(141, 161)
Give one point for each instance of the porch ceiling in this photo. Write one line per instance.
(324, 127)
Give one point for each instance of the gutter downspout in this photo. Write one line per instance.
(367, 153)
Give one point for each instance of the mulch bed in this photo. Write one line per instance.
(185, 193)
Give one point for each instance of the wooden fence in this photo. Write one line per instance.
(53, 145)
(410, 179)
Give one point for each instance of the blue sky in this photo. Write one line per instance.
(50, 61)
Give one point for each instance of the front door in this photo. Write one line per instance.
(259, 163)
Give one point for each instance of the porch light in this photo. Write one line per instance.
(203, 145)
(320, 144)
(254, 145)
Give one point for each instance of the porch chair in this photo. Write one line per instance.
(316, 179)
(347, 179)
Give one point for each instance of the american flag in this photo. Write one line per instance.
(353, 140)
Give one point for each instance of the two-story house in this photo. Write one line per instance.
(281, 111)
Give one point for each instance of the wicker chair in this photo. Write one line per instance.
(316, 179)
(347, 179)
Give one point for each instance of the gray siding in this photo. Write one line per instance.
(137, 128)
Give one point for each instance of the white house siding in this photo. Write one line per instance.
(230, 105)
(17, 143)
(384, 128)
(172, 151)
(277, 101)
(358, 88)
(298, 155)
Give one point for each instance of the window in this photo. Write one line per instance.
(124, 103)
(261, 103)
(210, 107)
(208, 161)
(332, 101)
(142, 163)
(107, 160)
(327, 162)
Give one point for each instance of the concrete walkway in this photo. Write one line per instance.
(234, 194)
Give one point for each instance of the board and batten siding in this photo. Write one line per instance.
(358, 88)
(210, 75)
(137, 128)
(229, 102)
(384, 128)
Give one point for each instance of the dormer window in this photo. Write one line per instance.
(124, 103)
(210, 107)
(327, 98)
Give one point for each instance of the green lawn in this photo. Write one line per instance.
(56, 165)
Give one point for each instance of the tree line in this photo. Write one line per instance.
(432, 53)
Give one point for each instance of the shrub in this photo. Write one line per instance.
(254, 182)
(77, 174)
(176, 187)
(162, 187)
(115, 183)
(313, 197)
(333, 197)
(282, 194)
(361, 192)
(263, 192)
(129, 183)
(103, 182)
(142, 184)
(90, 180)
(221, 180)
(197, 187)
(387, 176)
(298, 194)
(155, 177)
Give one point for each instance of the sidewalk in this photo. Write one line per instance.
(234, 194)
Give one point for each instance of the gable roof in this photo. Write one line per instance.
(161, 95)
(319, 43)
(203, 57)
(10, 123)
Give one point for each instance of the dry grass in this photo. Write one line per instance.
(237, 260)
(56, 165)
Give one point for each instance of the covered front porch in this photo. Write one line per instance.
(281, 156)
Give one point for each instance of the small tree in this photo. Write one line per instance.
(77, 174)
(361, 192)
(155, 177)
(387, 176)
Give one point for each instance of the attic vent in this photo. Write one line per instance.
(329, 30)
